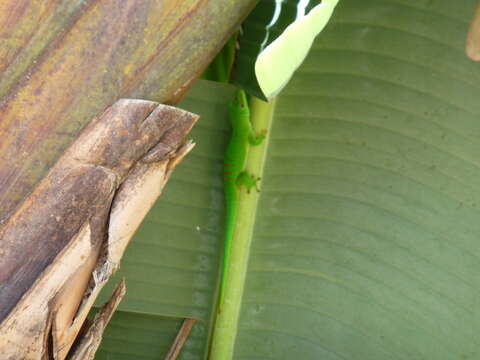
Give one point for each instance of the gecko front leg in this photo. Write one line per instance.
(247, 180)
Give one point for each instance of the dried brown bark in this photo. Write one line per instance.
(60, 247)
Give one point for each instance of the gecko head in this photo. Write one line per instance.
(239, 103)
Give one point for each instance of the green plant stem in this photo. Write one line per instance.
(226, 323)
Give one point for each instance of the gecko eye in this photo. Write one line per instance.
(240, 100)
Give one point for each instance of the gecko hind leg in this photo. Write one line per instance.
(247, 180)
(255, 140)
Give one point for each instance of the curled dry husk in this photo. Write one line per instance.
(63, 243)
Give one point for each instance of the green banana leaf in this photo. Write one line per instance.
(366, 240)
(366, 237)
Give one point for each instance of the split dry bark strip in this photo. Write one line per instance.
(61, 246)
(87, 346)
(181, 338)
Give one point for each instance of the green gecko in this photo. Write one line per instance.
(235, 176)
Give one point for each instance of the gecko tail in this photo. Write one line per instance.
(231, 212)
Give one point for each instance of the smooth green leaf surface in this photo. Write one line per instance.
(366, 244)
